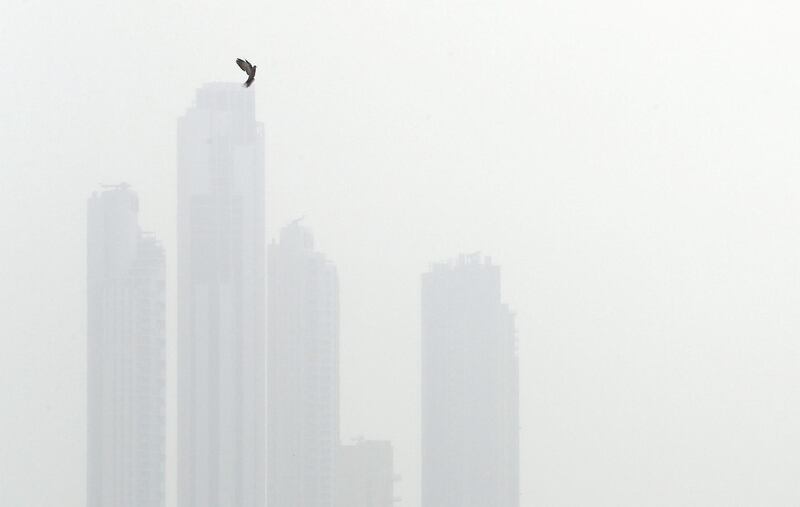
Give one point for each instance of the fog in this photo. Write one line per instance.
(630, 167)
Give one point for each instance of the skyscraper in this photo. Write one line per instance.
(470, 412)
(365, 475)
(125, 355)
(221, 300)
(303, 376)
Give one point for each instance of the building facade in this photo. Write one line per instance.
(303, 372)
(125, 355)
(221, 300)
(470, 392)
(365, 475)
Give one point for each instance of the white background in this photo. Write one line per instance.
(632, 166)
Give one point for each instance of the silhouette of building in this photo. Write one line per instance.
(125, 355)
(303, 376)
(221, 306)
(470, 412)
(365, 475)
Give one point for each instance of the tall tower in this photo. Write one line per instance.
(221, 300)
(470, 414)
(365, 474)
(303, 372)
(125, 355)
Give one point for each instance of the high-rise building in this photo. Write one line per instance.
(470, 429)
(303, 376)
(365, 475)
(221, 306)
(125, 355)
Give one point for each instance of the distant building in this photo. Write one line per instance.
(303, 372)
(365, 475)
(470, 414)
(125, 355)
(221, 303)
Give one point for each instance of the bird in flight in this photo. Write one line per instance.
(249, 68)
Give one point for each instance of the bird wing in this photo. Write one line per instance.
(244, 65)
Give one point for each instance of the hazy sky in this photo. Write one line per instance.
(632, 166)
